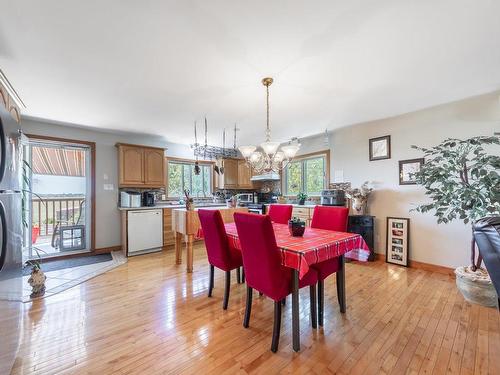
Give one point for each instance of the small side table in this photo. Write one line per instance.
(364, 225)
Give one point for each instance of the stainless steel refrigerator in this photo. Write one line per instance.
(11, 239)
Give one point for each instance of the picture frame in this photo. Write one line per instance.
(380, 148)
(407, 168)
(397, 240)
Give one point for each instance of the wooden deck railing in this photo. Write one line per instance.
(46, 212)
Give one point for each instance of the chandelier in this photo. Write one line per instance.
(271, 158)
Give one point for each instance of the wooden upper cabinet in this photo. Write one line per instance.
(154, 166)
(141, 166)
(244, 175)
(229, 180)
(236, 175)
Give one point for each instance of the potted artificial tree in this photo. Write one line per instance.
(463, 181)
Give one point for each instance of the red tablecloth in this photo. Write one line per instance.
(315, 246)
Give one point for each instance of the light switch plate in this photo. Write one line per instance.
(109, 187)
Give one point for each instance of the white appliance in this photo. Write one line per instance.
(145, 231)
(266, 177)
(130, 199)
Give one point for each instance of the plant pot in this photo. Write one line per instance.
(296, 228)
(35, 232)
(359, 206)
(189, 206)
(476, 287)
(302, 202)
(37, 283)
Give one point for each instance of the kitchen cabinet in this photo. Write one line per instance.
(168, 233)
(236, 175)
(303, 213)
(244, 175)
(141, 166)
(154, 166)
(229, 179)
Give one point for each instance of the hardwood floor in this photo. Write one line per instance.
(149, 317)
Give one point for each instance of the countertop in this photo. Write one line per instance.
(167, 205)
(295, 205)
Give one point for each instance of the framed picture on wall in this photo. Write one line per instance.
(397, 236)
(407, 170)
(380, 148)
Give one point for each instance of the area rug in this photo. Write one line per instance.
(56, 265)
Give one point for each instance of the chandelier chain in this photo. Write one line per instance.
(268, 131)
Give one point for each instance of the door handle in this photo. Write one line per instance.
(3, 248)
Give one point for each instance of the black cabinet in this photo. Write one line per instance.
(364, 225)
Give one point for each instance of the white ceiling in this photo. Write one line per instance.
(157, 66)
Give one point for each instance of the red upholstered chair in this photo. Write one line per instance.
(264, 271)
(220, 254)
(280, 213)
(335, 219)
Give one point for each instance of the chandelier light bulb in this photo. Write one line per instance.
(246, 151)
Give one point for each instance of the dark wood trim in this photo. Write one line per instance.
(105, 250)
(371, 140)
(407, 240)
(92, 177)
(420, 265)
(408, 161)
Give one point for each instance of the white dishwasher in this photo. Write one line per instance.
(145, 231)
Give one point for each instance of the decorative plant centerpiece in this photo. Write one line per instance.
(301, 198)
(296, 227)
(189, 200)
(359, 197)
(463, 181)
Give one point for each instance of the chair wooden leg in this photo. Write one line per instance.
(277, 326)
(248, 309)
(238, 275)
(211, 281)
(341, 285)
(226, 290)
(321, 301)
(312, 303)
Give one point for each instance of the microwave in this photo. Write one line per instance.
(130, 199)
(245, 198)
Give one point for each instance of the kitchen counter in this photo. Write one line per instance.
(186, 224)
(296, 205)
(167, 205)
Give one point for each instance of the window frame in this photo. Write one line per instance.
(191, 162)
(302, 159)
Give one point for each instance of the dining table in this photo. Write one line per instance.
(300, 253)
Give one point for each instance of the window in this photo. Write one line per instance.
(181, 176)
(308, 175)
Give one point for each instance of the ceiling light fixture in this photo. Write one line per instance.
(272, 158)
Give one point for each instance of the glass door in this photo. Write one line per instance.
(59, 179)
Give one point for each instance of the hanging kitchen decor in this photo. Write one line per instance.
(207, 151)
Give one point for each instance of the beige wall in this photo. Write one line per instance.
(107, 215)
(446, 245)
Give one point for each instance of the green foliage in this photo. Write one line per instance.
(181, 176)
(306, 175)
(462, 179)
(296, 220)
(301, 196)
